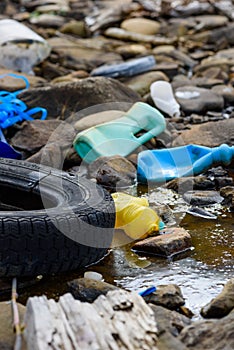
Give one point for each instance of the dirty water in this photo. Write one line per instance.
(200, 273)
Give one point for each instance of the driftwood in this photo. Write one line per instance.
(119, 320)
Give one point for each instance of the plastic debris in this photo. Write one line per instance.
(13, 110)
(162, 95)
(7, 151)
(93, 275)
(201, 213)
(120, 137)
(148, 291)
(135, 217)
(126, 69)
(166, 164)
(20, 47)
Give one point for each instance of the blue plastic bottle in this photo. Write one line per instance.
(166, 164)
(121, 135)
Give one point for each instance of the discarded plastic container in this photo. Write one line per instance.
(126, 69)
(134, 216)
(20, 47)
(162, 95)
(7, 151)
(166, 164)
(119, 137)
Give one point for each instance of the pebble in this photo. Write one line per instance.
(141, 25)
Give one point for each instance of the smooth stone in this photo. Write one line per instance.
(174, 240)
(183, 58)
(98, 118)
(113, 172)
(213, 62)
(70, 78)
(169, 296)
(211, 134)
(170, 321)
(7, 334)
(228, 194)
(226, 91)
(48, 20)
(209, 334)
(205, 22)
(221, 305)
(228, 53)
(142, 82)
(202, 198)
(74, 27)
(163, 49)
(34, 134)
(87, 290)
(122, 34)
(8, 83)
(141, 26)
(70, 98)
(205, 101)
(132, 50)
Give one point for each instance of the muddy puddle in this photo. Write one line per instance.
(200, 273)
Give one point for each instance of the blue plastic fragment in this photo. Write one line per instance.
(148, 291)
(7, 151)
(126, 69)
(190, 160)
(12, 109)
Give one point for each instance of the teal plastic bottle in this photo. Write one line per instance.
(166, 164)
(120, 136)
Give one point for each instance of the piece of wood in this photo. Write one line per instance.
(120, 320)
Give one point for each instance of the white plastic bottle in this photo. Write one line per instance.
(20, 47)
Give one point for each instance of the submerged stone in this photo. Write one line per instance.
(174, 240)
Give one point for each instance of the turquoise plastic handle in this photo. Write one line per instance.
(119, 137)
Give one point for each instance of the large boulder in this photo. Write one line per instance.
(66, 99)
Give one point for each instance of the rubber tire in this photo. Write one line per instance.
(32, 241)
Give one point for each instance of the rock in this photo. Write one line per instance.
(142, 82)
(224, 64)
(184, 59)
(98, 118)
(87, 290)
(7, 335)
(48, 20)
(184, 184)
(8, 83)
(122, 34)
(168, 296)
(56, 150)
(202, 198)
(70, 98)
(198, 100)
(166, 341)
(226, 32)
(228, 194)
(34, 134)
(226, 91)
(132, 50)
(205, 22)
(113, 172)
(82, 52)
(212, 334)
(170, 321)
(173, 241)
(141, 26)
(222, 304)
(211, 134)
(74, 27)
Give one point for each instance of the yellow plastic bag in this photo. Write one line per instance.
(134, 216)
